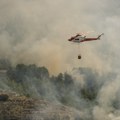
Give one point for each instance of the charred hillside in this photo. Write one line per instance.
(33, 81)
(19, 107)
(79, 90)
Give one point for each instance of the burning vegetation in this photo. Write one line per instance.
(28, 92)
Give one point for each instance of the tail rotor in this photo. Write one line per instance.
(100, 36)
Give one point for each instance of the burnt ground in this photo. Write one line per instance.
(17, 107)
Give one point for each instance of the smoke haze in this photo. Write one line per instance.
(37, 32)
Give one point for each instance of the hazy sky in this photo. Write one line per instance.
(36, 31)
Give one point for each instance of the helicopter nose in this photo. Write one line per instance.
(69, 40)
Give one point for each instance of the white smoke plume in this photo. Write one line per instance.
(37, 32)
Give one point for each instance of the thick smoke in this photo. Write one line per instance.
(37, 32)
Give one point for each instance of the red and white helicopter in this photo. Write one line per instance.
(80, 38)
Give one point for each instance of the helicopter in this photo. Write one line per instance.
(79, 38)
